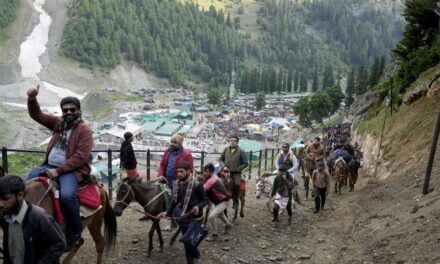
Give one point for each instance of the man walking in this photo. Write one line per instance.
(127, 158)
(218, 195)
(30, 235)
(190, 198)
(174, 155)
(235, 160)
(282, 193)
(321, 184)
(67, 156)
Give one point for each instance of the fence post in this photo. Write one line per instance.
(202, 161)
(148, 164)
(431, 155)
(5, 159)
(110, 173)
(265, 159)
(259, 163)
(250, 164)
(273, 153)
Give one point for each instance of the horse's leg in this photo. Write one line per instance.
(242, 201)
(96, 233)
(174, 236)
(150, 238)
(73, 251)
(159, 233)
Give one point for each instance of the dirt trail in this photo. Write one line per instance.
(311, 238)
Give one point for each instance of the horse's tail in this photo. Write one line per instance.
(110, 224)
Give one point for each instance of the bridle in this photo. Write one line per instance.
(130, 190)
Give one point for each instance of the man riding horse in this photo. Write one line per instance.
(67, 156)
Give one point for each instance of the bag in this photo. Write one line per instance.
(195, 234)
(242, 186)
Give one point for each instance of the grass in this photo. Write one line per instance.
(3, 37)
(22, 163)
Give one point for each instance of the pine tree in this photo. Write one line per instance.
(315, 84)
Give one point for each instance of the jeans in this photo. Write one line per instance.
(68, 196)
(319, 197)
(217, 213)
(191, 252)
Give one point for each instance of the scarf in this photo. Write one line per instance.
(63, 126)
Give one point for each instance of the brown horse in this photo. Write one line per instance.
(37, 193)
(339, 174)
(152, 199)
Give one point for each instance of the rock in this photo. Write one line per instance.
(321, 240)
(240, 260)
(279, 258)
(420, 90)
(226, 248)
(263, 246)
(272, 258)
(415, 208)
(135, 241)
(344, 247)
(305, 256)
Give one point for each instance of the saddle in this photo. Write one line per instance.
(88, 195)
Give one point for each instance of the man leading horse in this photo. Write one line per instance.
(67, 156)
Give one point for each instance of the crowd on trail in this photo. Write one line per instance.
(195, 202)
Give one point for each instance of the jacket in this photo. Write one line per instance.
(79, 145)
(198, 198)
(280, 185)
(127, 158)
(185, 155)
(216, 190)
(236, 162)
(44, 241)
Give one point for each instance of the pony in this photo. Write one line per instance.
(152, 199)
(263, 184)
(352, 169)
(38, 193)
(339, 174)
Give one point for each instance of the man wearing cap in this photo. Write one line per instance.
(67, 156)
(174, 155)
(127, 158)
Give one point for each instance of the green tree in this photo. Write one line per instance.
(214, 96)
(320, 106)
(336, 95)
(351, 88)
(260, 101)
(302, 110)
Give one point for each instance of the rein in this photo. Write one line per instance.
(42, 197)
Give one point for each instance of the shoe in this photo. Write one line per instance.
(72, 241)
(212, 238)
(143, 218)
(274, 220)
(316, 211)
(198, 260)
(290, 220)
(227, 228)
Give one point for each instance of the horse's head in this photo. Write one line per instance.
(260, 185)
(124, 196)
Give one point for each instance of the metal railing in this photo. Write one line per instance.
(265, 158)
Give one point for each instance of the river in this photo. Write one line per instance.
(33, 47)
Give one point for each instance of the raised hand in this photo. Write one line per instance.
(33, 92)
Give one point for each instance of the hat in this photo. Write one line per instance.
(70, 100)
(177, 137)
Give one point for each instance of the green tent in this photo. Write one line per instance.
(251, 145)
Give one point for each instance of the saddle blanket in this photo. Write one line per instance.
(88, 195)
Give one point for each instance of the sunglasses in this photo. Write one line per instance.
(225, 171)
(72, 110)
